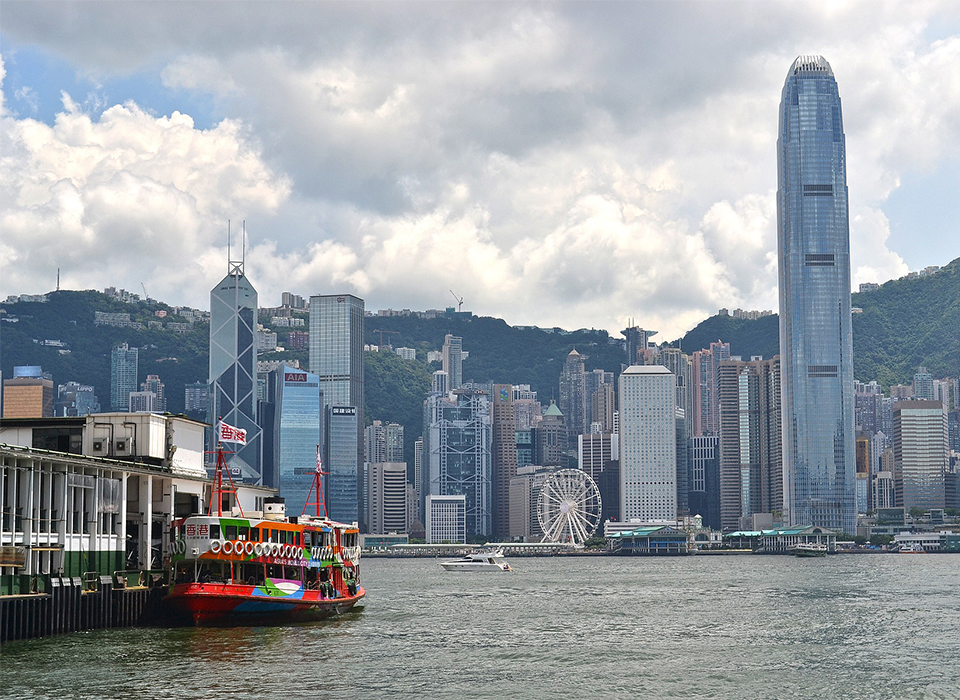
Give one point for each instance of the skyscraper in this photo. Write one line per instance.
(295, 395)
(336, 357)
(123, 376)
(816, 342)
(233, 365)
(503, 453)
(751, 471)
(648, 450)
(457, 454)
(154, 384)
(573, 395)
(921, 457)
(453, 361)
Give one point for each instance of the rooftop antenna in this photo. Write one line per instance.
(459, 301)
(58, 279)
(235, 267)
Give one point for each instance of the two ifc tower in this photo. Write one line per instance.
(816, 339)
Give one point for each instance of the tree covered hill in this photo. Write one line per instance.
(905, 323)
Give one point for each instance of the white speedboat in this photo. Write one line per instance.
(478, 561)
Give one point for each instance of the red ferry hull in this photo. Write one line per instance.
(215, 604)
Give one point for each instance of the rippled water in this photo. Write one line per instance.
(696, 627)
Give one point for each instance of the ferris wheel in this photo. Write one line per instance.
(568, 507)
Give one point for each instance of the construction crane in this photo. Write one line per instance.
(459, 302)
(388, 333)
(145, 297)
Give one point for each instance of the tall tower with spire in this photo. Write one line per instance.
(233, 363)
(816, 339)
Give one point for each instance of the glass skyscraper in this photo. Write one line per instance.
(816, 342)
(296, 435)
(233, 366)
(336, 357)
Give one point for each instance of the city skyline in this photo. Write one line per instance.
(358, 169)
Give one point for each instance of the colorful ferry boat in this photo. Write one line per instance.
(235, 570)
(239, 570)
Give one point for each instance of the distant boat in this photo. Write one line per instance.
(478, 561)
(911, 548)
(809, 549)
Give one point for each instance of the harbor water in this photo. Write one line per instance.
(847, 626)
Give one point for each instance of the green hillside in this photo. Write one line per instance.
(906, 323)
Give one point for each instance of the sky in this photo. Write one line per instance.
(570, 164)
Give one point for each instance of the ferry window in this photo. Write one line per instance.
(274, 571)
(231, 532)
(184, 572)
(251, 574)
(291, 573)
(287, 537)
(244, 533)
(254, 534)
(214, 532)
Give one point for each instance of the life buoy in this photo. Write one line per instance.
(258, 549)
(228, 547)
(248, 548)
(216, 546)
(287, 551)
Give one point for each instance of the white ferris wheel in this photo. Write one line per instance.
(568, 507)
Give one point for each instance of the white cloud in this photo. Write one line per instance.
(563, 164)
(123, 199)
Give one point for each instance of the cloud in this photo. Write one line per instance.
(129, 197)
(564, 164)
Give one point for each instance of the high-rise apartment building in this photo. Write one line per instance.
(648, 450)
(704, 401)
(123, 376)
(923, 385)
(816, 342)
(233, 366)
(142, 402)
(751, 465)
(573, 395)
(921, 458)
(503, 456)
(635, 343)
(452, 362)
(196, 400)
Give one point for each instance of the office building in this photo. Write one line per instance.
(28, 393)
(154, 384)
(446, 519)
(751, 465)
(648, 450)
(573, 395)
(387, 497)
(457, 442)
(921, 457)
(525, 489)
(336, 356)
(703, 490)
(503, 456)
(635, 343)
(816, 342)
(549, 438)
(233, 367)
(453, 361)
(196, 400)
(343, 483)
(74, 399)
(123, 376)
(292, 435)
